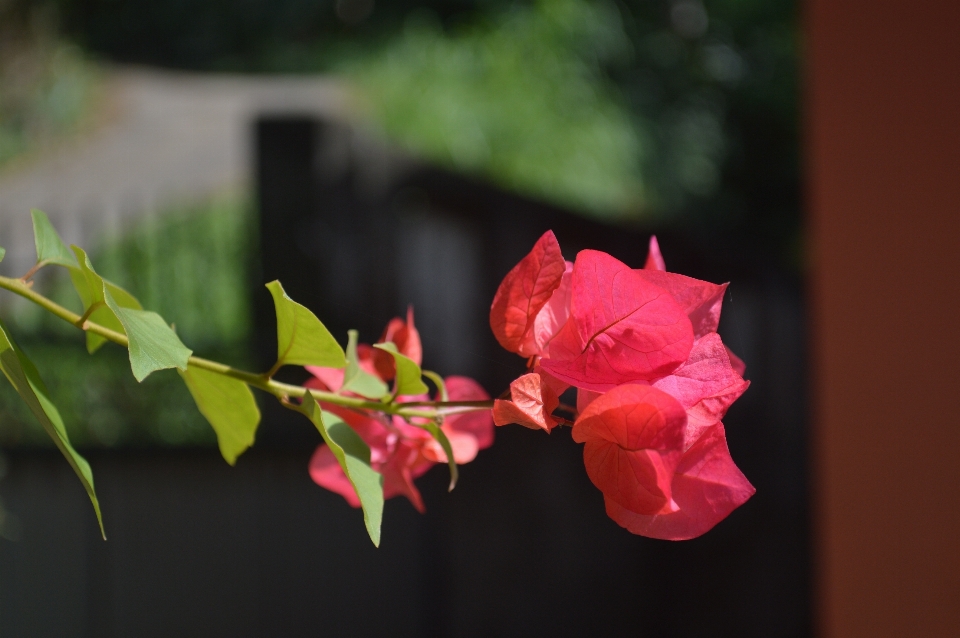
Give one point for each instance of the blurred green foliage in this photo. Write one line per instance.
(521, 98)
(190, 264)
(48, 88)
(679, 112)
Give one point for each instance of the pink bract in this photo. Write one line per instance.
(524, 292)
(653, 382)
(706, 487)
(400, 451)
(621, 328)
(531, 404)
(634, 440)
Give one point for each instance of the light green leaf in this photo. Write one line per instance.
(354, 457)
(228, 405)
(438, 381)
(89, 286)
(444, 442)
(301, 338)
(50, 248)
(153, 344)
(3, 252)
(24, 377)
(356, 379)
(408, 380)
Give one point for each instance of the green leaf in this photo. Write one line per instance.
(437, 381)
(89, 286)
(356, 379)
(301, 338)
(153, 344)
(50, 248)
(3, 252)
(24, 377)
(444, 442)
(354, 457)
(228, 405)
(408, 380)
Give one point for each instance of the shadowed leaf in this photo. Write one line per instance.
(228, 405)
(408, 381)
(24, 377)
(356, 379)
(50, 248)
(301, 338)
(89, 286)
(444, 442)
(354, 457)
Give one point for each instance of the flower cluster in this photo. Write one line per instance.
(400, 450)
(653, 382)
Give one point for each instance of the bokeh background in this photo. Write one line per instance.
(372, 154)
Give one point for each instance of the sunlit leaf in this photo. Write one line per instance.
(153, 344)
(354, 457)
(21, 372)
(356, 379)
(301, 338)
(444, 442)
(408, 381)
(228, 405)
(89, 286)
(50, 248)
(438, 381)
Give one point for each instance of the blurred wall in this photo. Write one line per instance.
(883, 158)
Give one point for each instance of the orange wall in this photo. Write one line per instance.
(883, 169)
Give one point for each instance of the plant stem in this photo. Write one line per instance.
(283, 391)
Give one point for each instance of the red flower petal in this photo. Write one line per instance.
(736, 362)
(705, 385)
(585, 398)
(477, 424)
(701, 300)
(654, 258)
(399, 471)
(326, 472)
(550, 318)
(622, 328)
(524, 291)
(633, 437)
(464, 447)
(328, 379)
(707, 486)
(405, 336)
(532, 404)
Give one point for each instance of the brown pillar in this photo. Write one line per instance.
(883, 161)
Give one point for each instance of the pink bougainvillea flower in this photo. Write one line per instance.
(701, 299)
(531, 404)
(551, 317)
(621, 327)
(633, 438)
(653, 382)
(736, 362)
(468, 432)
(706, 487)
(400, 451)
(405, 336)
(654, 258)
(524, 292)
(705, 385)
(394, 452)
